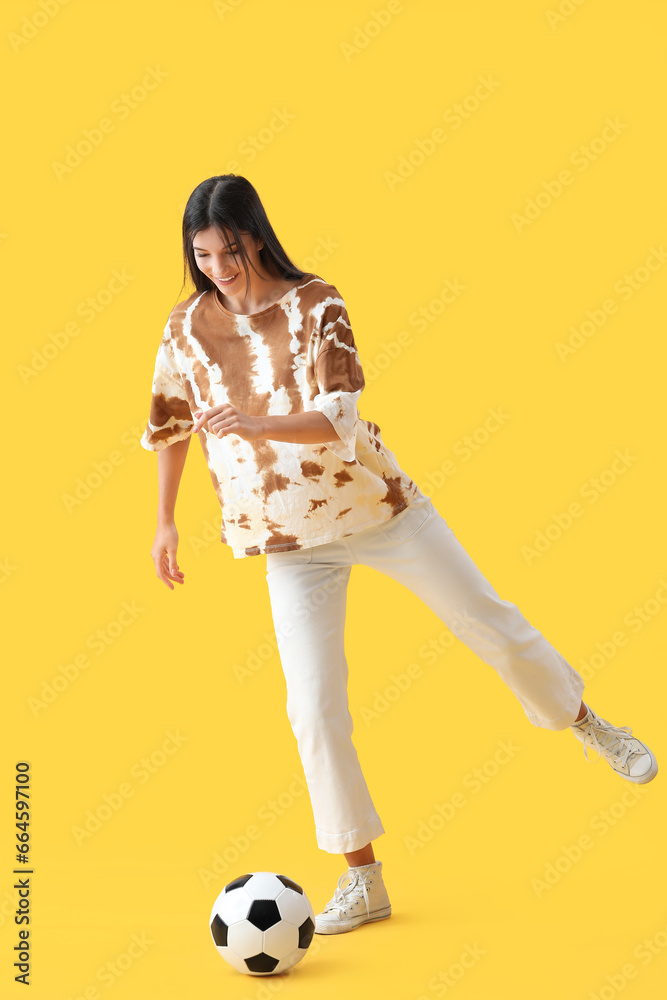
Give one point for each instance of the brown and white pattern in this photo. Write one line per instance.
(297, 355)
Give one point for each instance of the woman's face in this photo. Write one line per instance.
(221, 263)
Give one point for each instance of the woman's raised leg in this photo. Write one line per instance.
(419, 549)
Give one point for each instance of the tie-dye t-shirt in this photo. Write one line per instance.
(296, 355)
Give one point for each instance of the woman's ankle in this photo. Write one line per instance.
(364, 856)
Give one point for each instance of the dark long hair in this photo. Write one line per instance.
(230, 201)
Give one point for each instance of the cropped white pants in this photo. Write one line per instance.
(308, 590)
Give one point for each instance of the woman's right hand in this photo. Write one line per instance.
(163, 554)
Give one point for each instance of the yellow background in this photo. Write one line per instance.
(361, 98)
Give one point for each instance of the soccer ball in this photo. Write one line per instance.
(262, 923)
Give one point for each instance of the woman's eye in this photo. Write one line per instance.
(202, 255)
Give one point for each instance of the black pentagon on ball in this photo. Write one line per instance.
(261, 963)
(219, 931)
(289, 884)
(237, 883)
(306, 932)
(264, 913)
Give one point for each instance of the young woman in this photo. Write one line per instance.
(260, 361)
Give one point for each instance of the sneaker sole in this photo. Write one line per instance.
(641, 779)
(341, 926)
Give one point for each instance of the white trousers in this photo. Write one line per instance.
(308, 590)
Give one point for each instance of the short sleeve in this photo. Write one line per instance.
(170, 419)
(339, 377)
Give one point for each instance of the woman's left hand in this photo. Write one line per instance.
(226, 419)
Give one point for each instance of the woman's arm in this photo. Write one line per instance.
(311, 427)
(170, 463)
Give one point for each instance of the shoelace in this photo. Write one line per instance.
(340, 896)
(611, 738)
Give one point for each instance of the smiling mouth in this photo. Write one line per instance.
(225, 281)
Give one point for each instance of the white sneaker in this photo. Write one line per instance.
(360, 897)
(626, 755)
